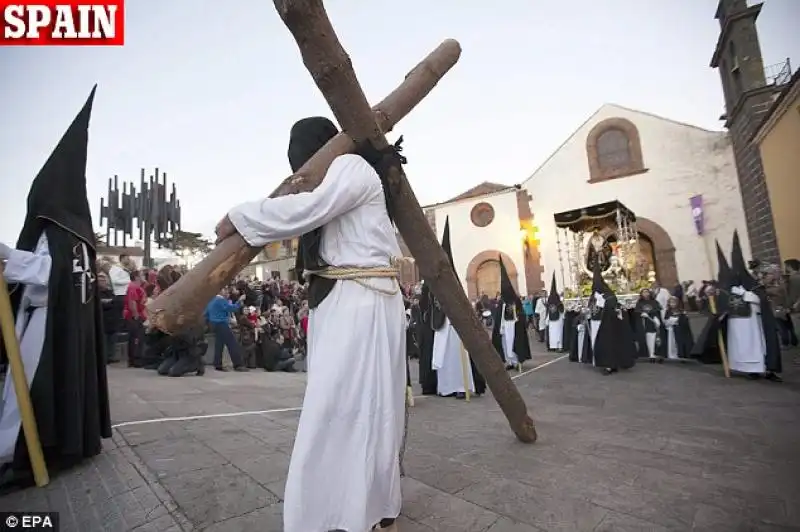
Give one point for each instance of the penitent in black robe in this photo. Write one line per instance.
(684, 339)
(642, 325)
(614, 346)
(69, 389)
(576, 342)
(522, 346)
(427, 375)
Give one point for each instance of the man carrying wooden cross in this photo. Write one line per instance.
(344, 472)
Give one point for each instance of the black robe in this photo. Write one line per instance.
(614, 346)
(570, 335)
(642, 324)
(772, 358)
(424, 333)
(706, 348)
(69, 391)
(522, 346)
(682, 331)
(586, 354)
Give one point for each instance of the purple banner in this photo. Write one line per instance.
(696, 202)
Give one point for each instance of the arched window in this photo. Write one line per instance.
(614, 150)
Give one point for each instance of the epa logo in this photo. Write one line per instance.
(31, 521)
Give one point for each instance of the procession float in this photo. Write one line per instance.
(604, 233)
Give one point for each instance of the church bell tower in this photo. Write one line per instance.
(748, 96)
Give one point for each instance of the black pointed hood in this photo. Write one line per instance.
(552, 297)
(598, 283)
(741, 274)
(58, 193)
(446, 245)
(507, 292)
(307, 137)
(724, 274)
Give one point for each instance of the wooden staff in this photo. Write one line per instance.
(17, 369)
(712, 306)
(332, 71)
(182, 303)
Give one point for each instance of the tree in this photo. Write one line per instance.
(187, 244)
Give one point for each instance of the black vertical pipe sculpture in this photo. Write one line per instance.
(156, 216)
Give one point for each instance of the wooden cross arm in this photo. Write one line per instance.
(182, 304)
(331, 68)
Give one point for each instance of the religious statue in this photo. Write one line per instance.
(618, 273)
(599, 252)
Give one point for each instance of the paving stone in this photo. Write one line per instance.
(177, 455)
(659, 448)
(504, 524)
(546, 510)
(216, 494)
(617, 522)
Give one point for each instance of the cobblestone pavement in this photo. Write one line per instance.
(659, 448)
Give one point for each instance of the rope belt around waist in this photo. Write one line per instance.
(360, 275)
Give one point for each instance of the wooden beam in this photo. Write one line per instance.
(332, 71)
(182, 304)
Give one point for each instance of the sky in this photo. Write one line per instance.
(208, 95)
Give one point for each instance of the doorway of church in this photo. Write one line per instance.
(487, 278)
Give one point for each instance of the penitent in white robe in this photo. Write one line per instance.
(745, 342)
(508, 329)
(344, 472)
(32, 271)
(449, 363)
(555, 332)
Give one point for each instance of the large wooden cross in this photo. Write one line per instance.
(332, 70)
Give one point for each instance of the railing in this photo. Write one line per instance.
(779, 73)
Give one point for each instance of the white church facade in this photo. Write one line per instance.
(649, 164)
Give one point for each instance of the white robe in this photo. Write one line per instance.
(662, 297)
(555, 332)
(541, 310)
(672, 343)
(581, 337)
(508, 330)
(344, 471)
(745, 342)
(32, 270)
(449, 363)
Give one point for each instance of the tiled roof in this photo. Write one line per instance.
(480, 190)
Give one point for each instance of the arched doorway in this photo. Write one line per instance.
(662, 250)
(487, 278)
(483, 273)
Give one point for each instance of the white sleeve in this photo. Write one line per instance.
(751, 298)
(349, 183)
(24, 267)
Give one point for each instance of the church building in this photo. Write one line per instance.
(678, 181)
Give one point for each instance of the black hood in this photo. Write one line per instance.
(507, 292)
(724, 274)
(598, 283)
(552, 297)
(741, 275)
(58, 193)
(446, 245)
(307, 137)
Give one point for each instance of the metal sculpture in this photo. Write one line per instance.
(156, 215)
